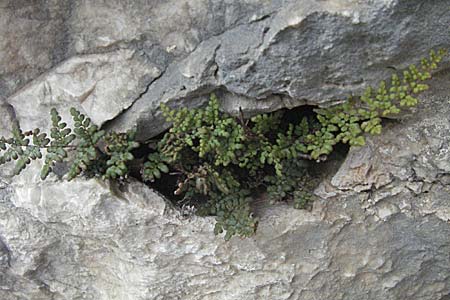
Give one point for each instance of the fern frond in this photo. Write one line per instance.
(61, 138)
(118, 148)
(348, 122)
(88, 135)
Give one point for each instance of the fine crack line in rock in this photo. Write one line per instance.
(147, 88)
(85, 95)
(4, 248)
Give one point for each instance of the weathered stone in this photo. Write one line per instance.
(35, 38)
(312, 51)
(100, 85)
(317, 51)
(381, 228)
(419, 154)
(389, 240)
(6, 120)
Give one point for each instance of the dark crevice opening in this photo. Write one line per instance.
(168, 183)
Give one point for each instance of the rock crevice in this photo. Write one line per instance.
(380, 228)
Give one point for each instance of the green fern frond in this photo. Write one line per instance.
(220, 160)
(88, 135)
(154, 167)
(348, 122)
(118, 148)
(62, 137)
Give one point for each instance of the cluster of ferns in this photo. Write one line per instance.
(220, 161)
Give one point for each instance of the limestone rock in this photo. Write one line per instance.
(100, 85)
(314, 51)
(6, 120)
(35, 38)
(406, 168)
(88, 239)
(380, 229)
(304, 51)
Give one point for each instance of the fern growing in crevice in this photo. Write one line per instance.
(233, 213)
(294, 184)
(118, 148)
(61, 139)
(86, 140)
(87, 152)
(220, 161)
(154, 167)
(19, 149)
(206, 144)
(348, 122)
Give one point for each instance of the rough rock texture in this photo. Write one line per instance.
(380, 231)
(34, 37)
(381, 228)
(101, 84)
(283, 53)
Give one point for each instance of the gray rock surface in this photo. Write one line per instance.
(379, 231)
(34, 38)
(101, 85)
(380, 228)
(284, 53)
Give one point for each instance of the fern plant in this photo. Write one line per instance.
(219, 156)
(224, 160)
(220, 161)
(118, 148)
(348, 122)
(294, 184)
(61, 136)
(85, 139)
(154, 167)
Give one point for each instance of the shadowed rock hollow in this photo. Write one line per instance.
(114, 56)
(380, 229)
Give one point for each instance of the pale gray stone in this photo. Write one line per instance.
(34, 38)
(6, 120)
(315, 51)
(89, 239)
(380, 228)
(308, 51)
(100, 85)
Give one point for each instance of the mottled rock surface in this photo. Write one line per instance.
(381, 228)
(102, 84)
(379, 231)
(282, 53)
